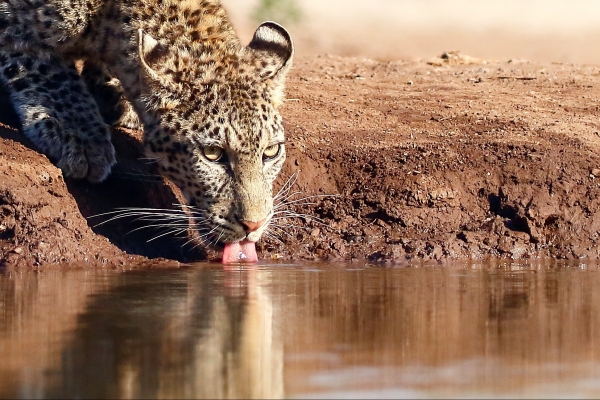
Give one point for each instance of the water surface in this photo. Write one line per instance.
(310, 330)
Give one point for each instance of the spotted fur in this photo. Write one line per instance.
(182, 68)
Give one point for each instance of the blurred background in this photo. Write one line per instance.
(566, 31)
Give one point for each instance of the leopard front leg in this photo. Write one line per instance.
(58, 114)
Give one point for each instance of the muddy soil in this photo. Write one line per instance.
(430, 160)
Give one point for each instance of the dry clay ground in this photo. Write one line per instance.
(439, 160)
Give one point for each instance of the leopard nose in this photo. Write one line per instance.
(250, 226)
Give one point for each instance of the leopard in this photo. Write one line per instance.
(207, 103)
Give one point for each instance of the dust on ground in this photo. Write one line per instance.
(428, 160)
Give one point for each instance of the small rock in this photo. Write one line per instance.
(596, 172)
(505, 244)
(355, 239)
(315, 232)
(371, 239)
(397, 252)
(18, 250)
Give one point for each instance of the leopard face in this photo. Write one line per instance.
(221, 141)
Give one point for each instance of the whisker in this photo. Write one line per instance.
(150, 218)
(274, 237)
(291, 181)
(138, 173)
(201, 240)
(293, 214)
(296, 201)
(219, 237)
(142, 211)
(191, 209)
(179, 227)
(176, 232)
(306, 228)
(303, 216)
(138, 209)
(174, 221)
(282, 231)
(201, 237)
(286, 197)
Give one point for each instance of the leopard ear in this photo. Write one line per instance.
(277, 48)
(154, 56)
(151, 52)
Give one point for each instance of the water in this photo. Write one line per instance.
(311, 330)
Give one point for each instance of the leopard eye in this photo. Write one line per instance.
(213, 153)
(272, 151)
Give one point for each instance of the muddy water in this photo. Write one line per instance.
(309, 330)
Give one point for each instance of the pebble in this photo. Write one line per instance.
(596, 172)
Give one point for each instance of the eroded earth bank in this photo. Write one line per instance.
(452, 158)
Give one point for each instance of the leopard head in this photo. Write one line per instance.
(216, 131)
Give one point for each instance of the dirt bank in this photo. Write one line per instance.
(429, 160)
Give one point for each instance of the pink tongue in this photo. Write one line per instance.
(240, 252)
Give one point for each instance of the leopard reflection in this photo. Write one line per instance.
(207, 336)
